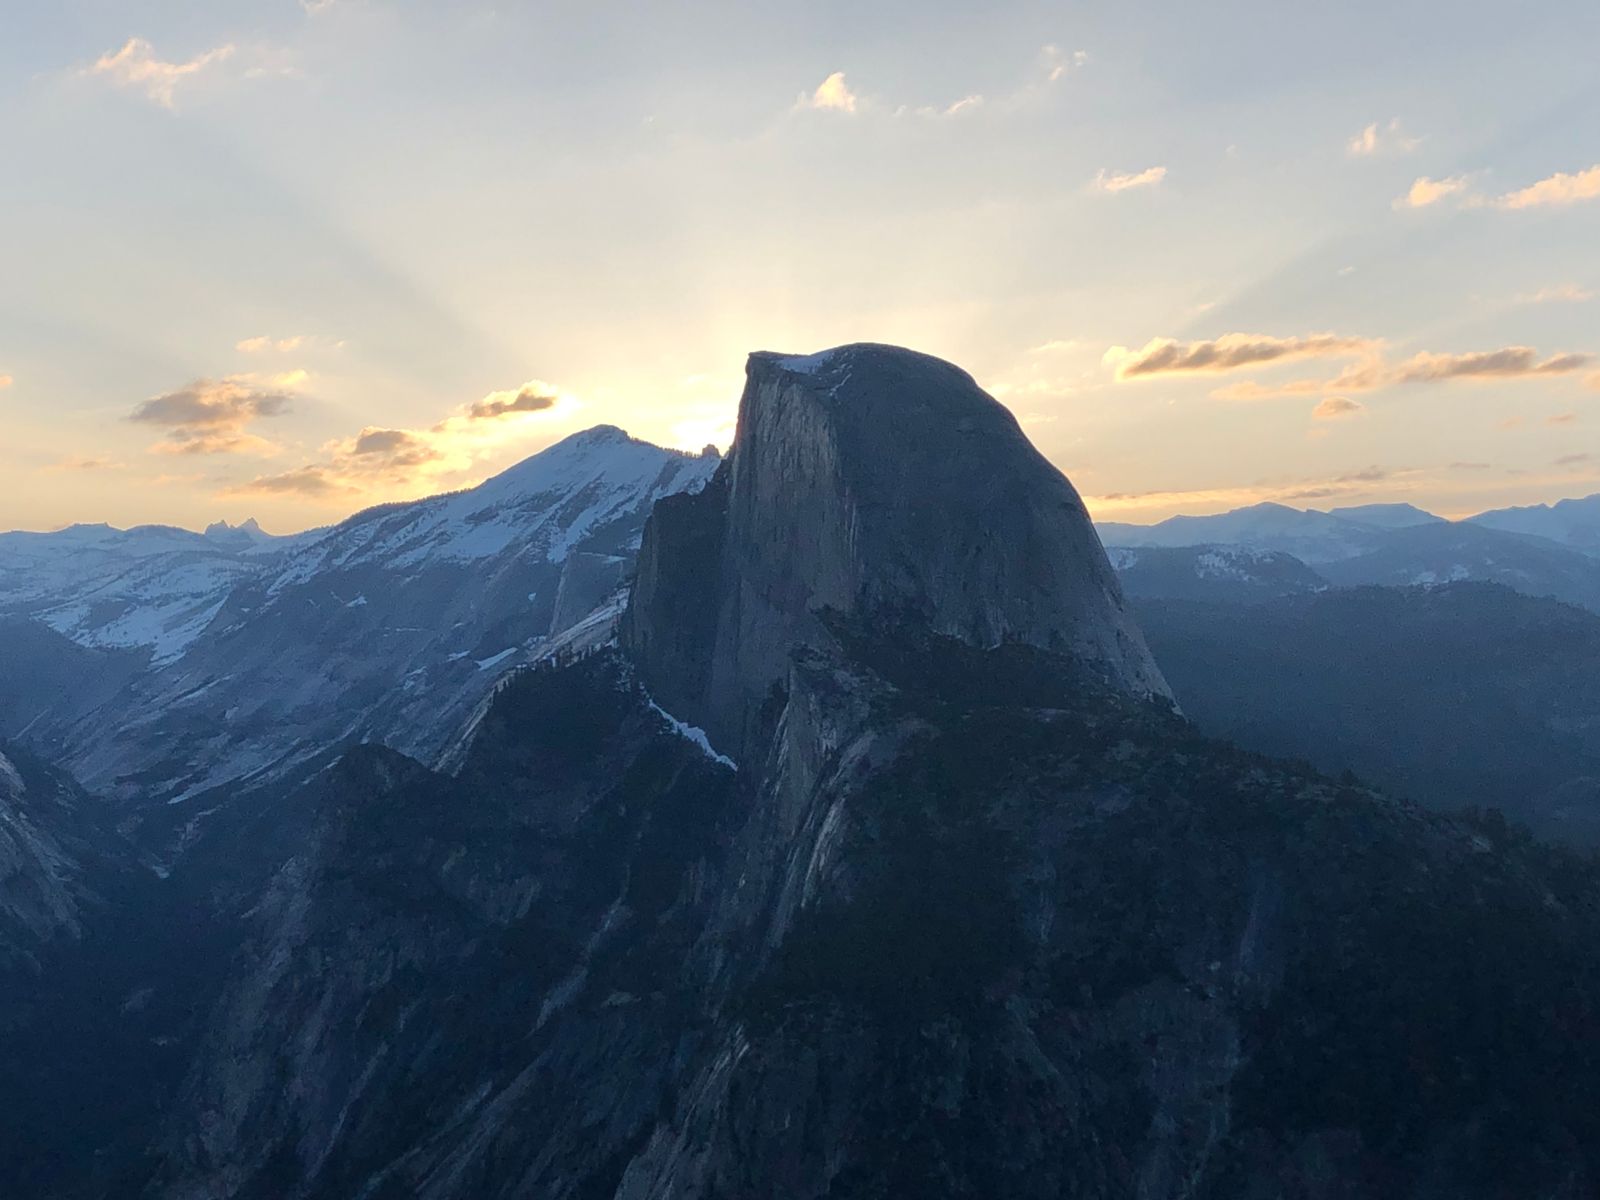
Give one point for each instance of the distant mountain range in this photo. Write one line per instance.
(1549, 550)
(163, 664)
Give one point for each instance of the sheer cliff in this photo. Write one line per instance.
(869, 480)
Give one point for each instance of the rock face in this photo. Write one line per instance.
(870, 480)
(971, 916)
(391, 626)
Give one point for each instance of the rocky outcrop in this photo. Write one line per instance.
(870, 480)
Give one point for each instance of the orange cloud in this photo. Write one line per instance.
(1119, 181)
(210, 416)
(832, 94)
(392, 461)
(1377, 139)
(1555, 191)
(1336, 407)
(136, 66)
(1487, 364)
(1230, 352)
(1425, 191)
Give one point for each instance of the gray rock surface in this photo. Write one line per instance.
(872, 480)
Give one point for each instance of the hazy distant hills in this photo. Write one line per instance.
(1460, 695)
(1574, 523)
(1539, 552)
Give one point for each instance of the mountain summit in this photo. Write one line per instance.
(870, 481)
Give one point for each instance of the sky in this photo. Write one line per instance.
(291, 258)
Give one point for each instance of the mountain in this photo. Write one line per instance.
(152, 587)
(868, 480)
(1574, 523)
(392, 625)
(1311, 536)
(1457, 695)
(41, 873)
(1228, 573)
(963, 913)
(1453, 552)
(869, 859)
(1386, 516)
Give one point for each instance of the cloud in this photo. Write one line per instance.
(1561, 293)
(832, 94)
(6, 381)
(1335, 407)
(306, 481)
(210, 416)
(1244, 351)
(136, 66)
(533, 396)
(1572, 460)
(1118, 181)
(393, 448)
(1377, 139)
(1057, 346)
(1493, 364)
(78, 463)
(1427, 191)
(1470, 466)
(256, 345)
(390, 462)
(1570, 418)
(1057, 64)
(1555, 191)
(1230, 352)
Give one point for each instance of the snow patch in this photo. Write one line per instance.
(694, 734)
(807, 364)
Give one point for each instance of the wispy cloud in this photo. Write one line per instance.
(1505, 363)
(1230, 352)
(135, 65)
(288, 344)
(1561, 293)
(1233, 352)
(1425, 192)
(211, 416)
(1381, 138)
(1122, 181)
(1335, 408)
(313, 481)
(80, 463)
(1553, 191)
(1057, 63)
(382, 461)
(536, 396)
